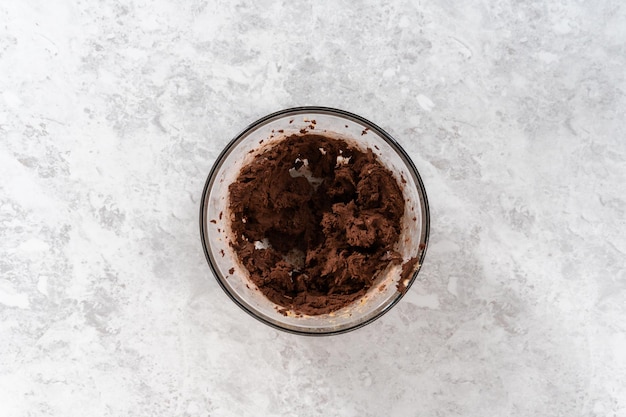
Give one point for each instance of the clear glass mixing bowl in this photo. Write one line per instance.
(215, 230)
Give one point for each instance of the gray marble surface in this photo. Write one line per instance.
(113, 112)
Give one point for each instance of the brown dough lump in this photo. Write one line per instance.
(314, 220)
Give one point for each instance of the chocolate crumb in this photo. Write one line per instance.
(222, 252)
(422, 246)
(214, 221)
(303, 131)
(291, 121)
(313, 121)
(281, 131)
(221, 214)
(231, 271)
(377, 148)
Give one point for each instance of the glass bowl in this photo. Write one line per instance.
(215, 228)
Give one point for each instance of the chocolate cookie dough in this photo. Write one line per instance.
(314, 220)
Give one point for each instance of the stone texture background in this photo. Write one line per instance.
(112, 113)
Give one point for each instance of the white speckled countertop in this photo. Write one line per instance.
(113, 112)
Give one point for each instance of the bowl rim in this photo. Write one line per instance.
(329, 111)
